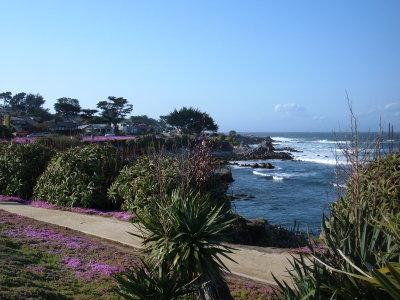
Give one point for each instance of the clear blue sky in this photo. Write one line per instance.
(252, 65)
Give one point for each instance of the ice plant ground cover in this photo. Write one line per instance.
(40, 260)
(84, 139)
(90, 211)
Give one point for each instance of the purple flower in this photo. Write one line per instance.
(72, 262)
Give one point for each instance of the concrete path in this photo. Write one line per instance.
(252, 262)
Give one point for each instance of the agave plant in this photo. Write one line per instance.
(147, 281)
(186, 234)
(362, 254)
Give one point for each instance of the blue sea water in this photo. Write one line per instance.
(298, 190)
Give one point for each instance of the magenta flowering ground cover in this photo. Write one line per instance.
(39, 260)
(106, 138)
(42, 204)
(318, 247)
(78, 253)
(45, 261)
(84, 139)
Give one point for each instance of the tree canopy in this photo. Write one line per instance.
(114, 109)
(87, 115)
(6, 97)
(67, 108)
(26, 104)
(190, 120)
(137, 120)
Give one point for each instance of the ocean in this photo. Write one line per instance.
(294, 191)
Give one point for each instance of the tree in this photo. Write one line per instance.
(33, 104)
(17, 102)
(88, 114)
(144, 120)
(6, 97)
(232, 133)
(190, 120)
(114, 110)
(67, 107)
(27, 104)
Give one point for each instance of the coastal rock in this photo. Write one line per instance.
(265, 150)
(262, 166)
(260, 233)
(290, 149)
(225, 174)
(251, 139)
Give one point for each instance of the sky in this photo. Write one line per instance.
(252, 65)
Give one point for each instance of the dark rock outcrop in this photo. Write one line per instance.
(290, 149)
(265, 150)
(260, 233)
(225, 174)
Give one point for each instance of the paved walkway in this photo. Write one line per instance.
(252, 262)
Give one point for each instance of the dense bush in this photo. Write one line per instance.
(80, 177)
(150, 178)
(5, 133)
(362, 255)
(20, 166)
(150, 143)
(60, 142)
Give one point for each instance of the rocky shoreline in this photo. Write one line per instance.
(246, 150)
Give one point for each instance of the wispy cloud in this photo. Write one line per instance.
(392, 106)
(319, 118)
(386, 109)
(289, 108)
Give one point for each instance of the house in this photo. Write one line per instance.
(95, 129)
(63, 127)
(22, 125)
(127, 127)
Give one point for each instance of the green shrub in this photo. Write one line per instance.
(150, 178)
(80, 177)
(20, 166)
(5, 133)
(60, 142)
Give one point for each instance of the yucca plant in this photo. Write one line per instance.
(147, 281)
(362, 255)
(186, 234)
(387, 278)
(330, 273)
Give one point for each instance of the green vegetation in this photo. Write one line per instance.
(362, 255)
(67, 108)
(43, 261)
(20, 166)
(26, 105)
(80, 177)
(152, 178)
(114, 110)
(59, 142)
(190, 120)
(5, 133)
(184, 239)
(146, 281)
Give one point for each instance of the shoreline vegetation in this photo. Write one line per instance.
(170, 184)
(50, 262)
